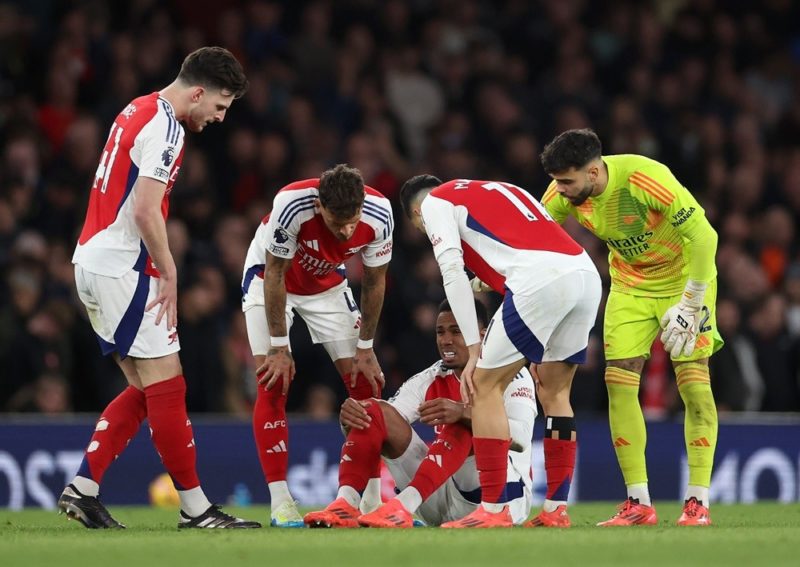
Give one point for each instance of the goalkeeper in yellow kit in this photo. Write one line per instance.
(663, 278)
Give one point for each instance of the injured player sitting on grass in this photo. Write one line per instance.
(438, 483)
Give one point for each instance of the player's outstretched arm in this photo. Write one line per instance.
(373, 287)
(279, 364)
(150, 221)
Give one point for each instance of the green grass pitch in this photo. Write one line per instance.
(762, 534)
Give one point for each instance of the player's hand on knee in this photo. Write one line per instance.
(353, 414)
(279, 365)
(441, 411)
(366, 363)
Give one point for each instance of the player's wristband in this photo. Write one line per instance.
(362, 344)
(693, 295)
(279, 341)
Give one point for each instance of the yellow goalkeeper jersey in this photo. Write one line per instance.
(648, 220)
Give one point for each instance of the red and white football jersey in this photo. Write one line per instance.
(506, 236)
(519, 400)
(295, 230)
(146, 140)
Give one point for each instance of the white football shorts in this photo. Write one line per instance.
(332, 317)
(460, 495)
(549, 324)
(116, 308)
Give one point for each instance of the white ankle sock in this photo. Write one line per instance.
(699, 492)
(494, 507)
(86, 486)
(371, 499)
(551, 505)
(410, 498)
(194, 501)
(278, 493)
(640, 492)
(350, 494)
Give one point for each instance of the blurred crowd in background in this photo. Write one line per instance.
(457, 88)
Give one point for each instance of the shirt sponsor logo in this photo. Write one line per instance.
(168, 155)
(631, 246)
(682, 216)
(435, 240)
(523, 392)
(385, 251)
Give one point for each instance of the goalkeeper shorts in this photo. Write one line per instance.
(632, 323)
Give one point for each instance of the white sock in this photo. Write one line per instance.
(410, 498)
(640, 492)
(494, 507)
(350, 494)
(278, 493)
(699, 492)
(86, 486)
(371, 499)
(551, 505)
(194, 501)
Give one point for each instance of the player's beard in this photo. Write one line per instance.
(585, 193)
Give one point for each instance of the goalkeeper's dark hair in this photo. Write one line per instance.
(480, 311)
(573, 148)
(341, 190)
(413, 186)
(214, 68)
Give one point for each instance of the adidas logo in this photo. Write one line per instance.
(620, 442)
(279, 448)
(313, 244)
(436, 459)
(701, 442)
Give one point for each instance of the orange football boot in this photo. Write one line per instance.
(558, 518)
(338, 514)
(631, 513)
(694, 514)
(481, 518)
(391, 515)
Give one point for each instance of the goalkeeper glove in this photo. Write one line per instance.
(681, 322)
(478, 285)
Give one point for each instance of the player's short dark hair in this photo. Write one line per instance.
(413, 186)
(214, 68)
(341, 190)
(480, 310)
(573, 148)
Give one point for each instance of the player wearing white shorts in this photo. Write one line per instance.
(439, 483)
(126, 277)
(551, 293)
(295, 264)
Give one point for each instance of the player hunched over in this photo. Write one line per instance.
(126, 277)
(295, 264)
(663, 278)
(551, 293)
(439, 483)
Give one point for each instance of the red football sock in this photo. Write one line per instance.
(118, 424)
(271, 433)
(446, 455)
(361, 391)
(491, 458)
(361, 452)
(559, 456)
(172, 430)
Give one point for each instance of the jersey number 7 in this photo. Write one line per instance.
(520, 199)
